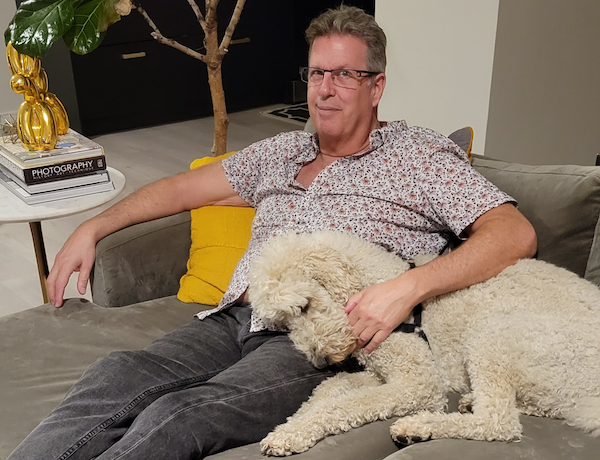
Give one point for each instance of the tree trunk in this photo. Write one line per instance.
(219, 109)
(215, 82)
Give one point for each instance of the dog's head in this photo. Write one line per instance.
(302, 282)
(317, 323)
(322, 331)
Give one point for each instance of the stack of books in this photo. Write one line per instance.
(76, 167)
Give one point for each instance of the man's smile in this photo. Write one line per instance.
(327, 108)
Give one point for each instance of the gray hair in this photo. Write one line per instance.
(350, 20)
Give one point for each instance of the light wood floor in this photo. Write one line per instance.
(143, 156)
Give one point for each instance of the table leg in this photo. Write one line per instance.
(40, 256)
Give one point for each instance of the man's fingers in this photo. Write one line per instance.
(371, 338)
(52, 290)
(59, 289)
(377, 340)
(56, 295)
(56, 283)
(353, 302)
(359, 344)
(83, 278)
(367, 334)
(365, 337)
(76, 255)
(82, 284)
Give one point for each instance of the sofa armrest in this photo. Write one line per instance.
(141, 262)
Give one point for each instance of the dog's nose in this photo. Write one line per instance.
(320, 362)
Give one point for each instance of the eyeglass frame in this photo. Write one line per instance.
(306, 69)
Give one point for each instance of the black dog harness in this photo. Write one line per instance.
(415, 326)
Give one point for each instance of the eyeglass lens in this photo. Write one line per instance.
(344, 78)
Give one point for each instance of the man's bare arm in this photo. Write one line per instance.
(200, 187)
(499, 238)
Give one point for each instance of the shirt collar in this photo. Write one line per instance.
(309, 143)
(309, 147)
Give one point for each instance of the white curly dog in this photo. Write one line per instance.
(526, 341)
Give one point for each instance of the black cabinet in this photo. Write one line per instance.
(138, 84)
(132, 81)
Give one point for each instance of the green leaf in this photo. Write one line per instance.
(90, 21)
(37, 25)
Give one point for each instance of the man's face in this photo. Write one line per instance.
(335, 111)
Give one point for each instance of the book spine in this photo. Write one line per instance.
(12, 167)
(57, 171)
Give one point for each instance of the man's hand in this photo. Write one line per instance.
(377, 310)
(497, 239)
(77, 255)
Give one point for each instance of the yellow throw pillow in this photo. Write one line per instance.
(220, 235)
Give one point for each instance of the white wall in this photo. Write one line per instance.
(9, 100)
(440, 58)
(545, 94)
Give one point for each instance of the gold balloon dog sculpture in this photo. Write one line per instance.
(41, 117)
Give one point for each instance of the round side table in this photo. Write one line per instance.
(14, 210)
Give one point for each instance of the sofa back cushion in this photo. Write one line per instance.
(563, 204)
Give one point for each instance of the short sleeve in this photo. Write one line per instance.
(242, 170)
(457, 193)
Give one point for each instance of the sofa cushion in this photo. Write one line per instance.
(46, 349)
(220, 235)
(563, 204)
(369, 442)
(543, 439)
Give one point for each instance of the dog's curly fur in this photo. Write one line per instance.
(527, 341)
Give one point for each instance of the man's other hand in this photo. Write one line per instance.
(377, 310)
(77, 255)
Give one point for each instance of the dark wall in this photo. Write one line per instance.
(305, 11)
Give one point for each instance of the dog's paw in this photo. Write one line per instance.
(409, 430)
(405, 442)
(465, 404)
(279, 443)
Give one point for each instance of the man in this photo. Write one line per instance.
(227, 380)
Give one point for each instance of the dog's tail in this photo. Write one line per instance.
(585, 415)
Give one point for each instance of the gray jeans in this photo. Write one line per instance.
(206, 387)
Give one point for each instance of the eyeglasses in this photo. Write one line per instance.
(344, 78)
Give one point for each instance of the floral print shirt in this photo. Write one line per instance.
(408, 192)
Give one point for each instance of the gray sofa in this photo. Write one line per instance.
(44, 350)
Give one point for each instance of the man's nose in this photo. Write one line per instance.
(327, 85)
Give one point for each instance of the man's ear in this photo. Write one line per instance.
(377, 87)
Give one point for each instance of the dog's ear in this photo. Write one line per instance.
(282, 313)
(279, 302)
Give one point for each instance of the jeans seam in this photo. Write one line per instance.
(191, 406)
(101, 427)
